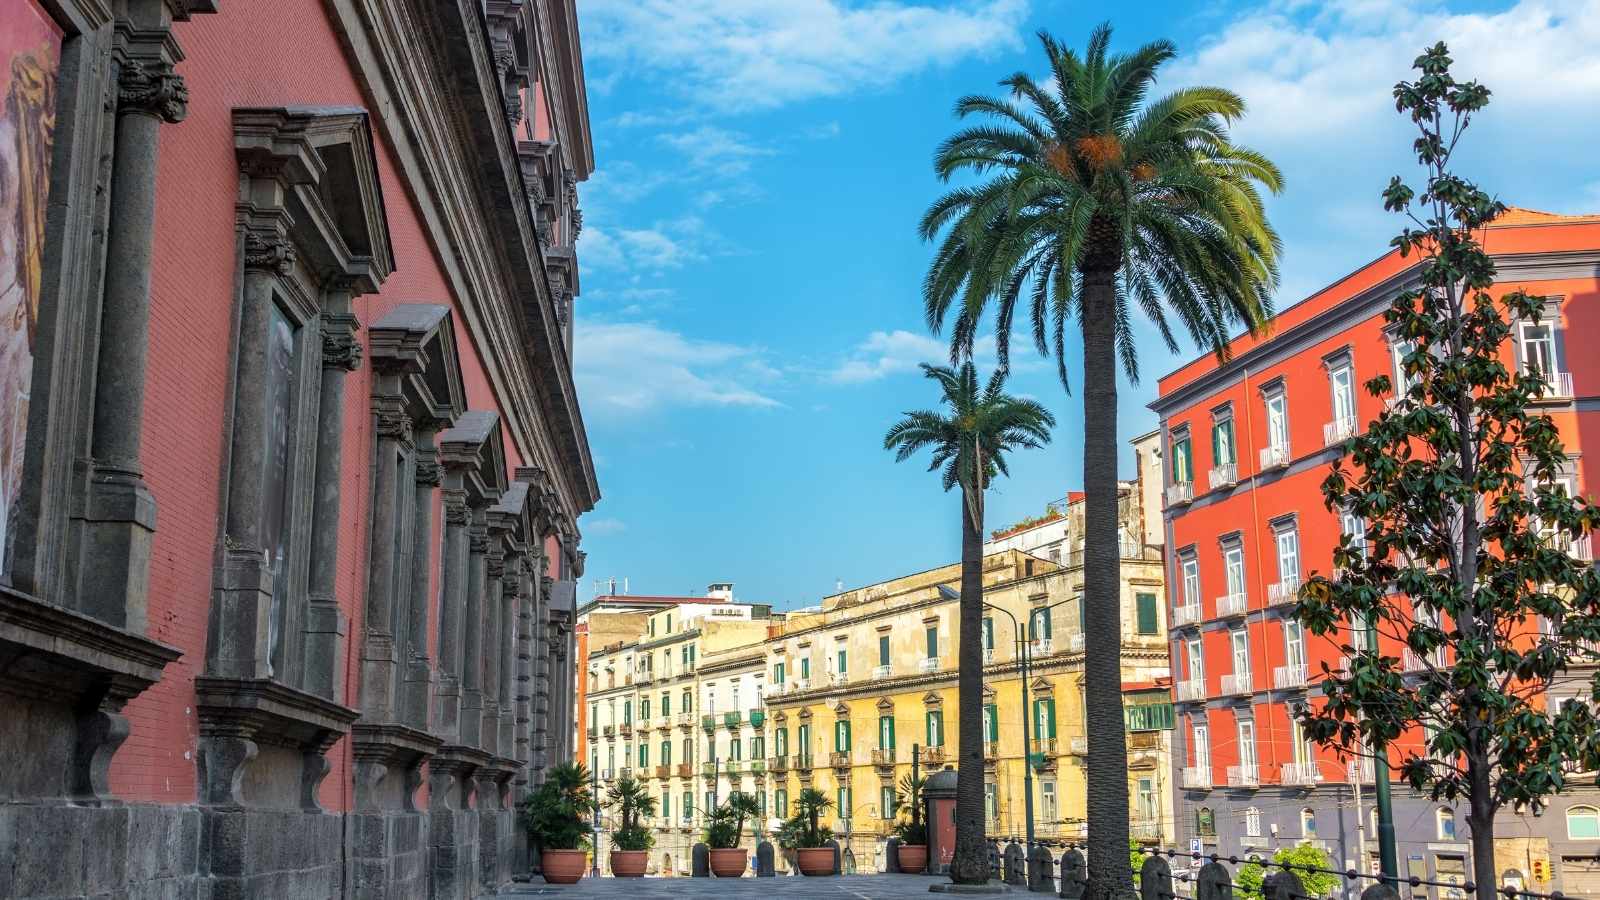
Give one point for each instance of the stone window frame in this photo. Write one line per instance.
(1549, 316)
(312, 234)
(75, 583)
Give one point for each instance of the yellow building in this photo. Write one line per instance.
(853, 685)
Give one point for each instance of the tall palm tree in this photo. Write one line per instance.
(1094, 201)
(970, 440)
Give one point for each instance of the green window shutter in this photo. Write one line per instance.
(1044, 618)
(666, 753)
(843, 662)
(883, 649)
(1050, 717)
(666, 806)
(993, 735)
(847, 742)
(928, 738)
(988, 633)
(1147, 613)
(932, 637)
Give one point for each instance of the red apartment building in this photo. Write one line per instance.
(1249, 442)
(291, 459)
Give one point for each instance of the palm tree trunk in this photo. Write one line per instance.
(1110, 875)
(970, 862)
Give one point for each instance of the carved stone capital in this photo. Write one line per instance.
(341, 349)
(496, 565)
(268, 253)
(152, 87)
(429, 473)
(394, 424)
(577, 222)
(477, 542)
(455, 511)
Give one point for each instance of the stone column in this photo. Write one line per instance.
(472, 634)
(119, 517)
(453, 571)
(325, 625)
(510, 631)
(250, 630)
(541, 672)
(418, 669)
(522, 695)
(379, 656)
(489, 659)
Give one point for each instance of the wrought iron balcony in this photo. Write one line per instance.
(1223, 475)
(1303, 773)
(663, 771)
(1338, 431)
(1186, 615)
(1197, 777)
(608, 730)
(932, 756)
(1359, 770)
(883, 758)
(1075, 642)
(988, 655)
(839, 759)
(709, 723)
(1232, 604)
(758, 766)
(685, 770)
(625, 729)
(757, 718)
(1192, 691)
(1042, 647)
(929, 664)
(1180, 493)
(686, 720)
(709, 769)
(1288, 678)
(991, 751)
(778, 764)
(1283, 592)
(881, 672)
(1243, 777)
(732, 720)
(1275, 457)
(1237, 683)
(802, 762)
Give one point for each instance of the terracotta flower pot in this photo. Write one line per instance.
(913, 857)
(563, 866)
(729, 863)
(816, 860)
(629, 863)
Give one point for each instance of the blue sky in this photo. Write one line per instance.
(750, 320)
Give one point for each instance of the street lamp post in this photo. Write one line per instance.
(1027, 742)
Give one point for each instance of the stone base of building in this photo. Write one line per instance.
(60, 850)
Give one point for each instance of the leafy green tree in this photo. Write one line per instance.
(970, 441)
(1252, 875)
(1459, 487)
(1097, 203)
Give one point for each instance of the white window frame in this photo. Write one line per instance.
(1294, 643)
(1195, 650)
(1277, 408)
(1247, 745)
(1190, 565)
(1342, 388)
(1286, 539)
(1239, 650)
(1233, 567)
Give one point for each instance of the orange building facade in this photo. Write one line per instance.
(1249, 442)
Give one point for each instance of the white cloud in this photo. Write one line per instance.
(596, 527)
(633, 368)
(760, 54)
(716, 149)
(668, 244)
(886, 353)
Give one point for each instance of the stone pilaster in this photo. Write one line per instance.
(452, 619)
(379, 653)
(418, 674)
(472, 634)
(326, 626)
(119, 515)
(494, 567)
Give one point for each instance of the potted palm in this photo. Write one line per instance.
(557, 816)
(724, 826)
(631, 842)
(807, 839)
(912, 853)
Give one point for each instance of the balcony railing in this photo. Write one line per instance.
(1223, 475)
(709, 768)
(733, 766)
(882, 757)
(758, 766)
(838, 679)
(1286, 678)
(1075, 642)
(1274, 457)
(880, 672)
(1359, 770)
(1557, 384)
(1301, 773)
(932, 756)
(627, 772)
(1180, 493)
(593, 732)
(1147, 831)
(732, 720)
(991, 751)
(1237, 683)
(709, 723)
(663, 771)
(839, 759)
(608, 730)
(1042, 647)
(686, 720)
(1284, 591)
(625, 729)
(1232, 605)
(607, 774)
(1186, 615)
(1078, 746)
(1192, 690)
(1243, 777)
(802, 762)
(758, 718)
(929, 664)
(778, 763)
(799, 684)
(1338, 431)
(685, 770)
(1197, 777)
(1412, 661)
(988, 655)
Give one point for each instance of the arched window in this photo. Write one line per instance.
(1445, 823)
(1205, 823)
(1583, 822)
(1308, 823)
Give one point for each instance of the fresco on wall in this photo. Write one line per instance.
(30, 53)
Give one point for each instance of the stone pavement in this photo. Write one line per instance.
(842, 887)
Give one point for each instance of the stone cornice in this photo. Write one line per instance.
(451, 141)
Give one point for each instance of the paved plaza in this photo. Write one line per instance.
(859, 887)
